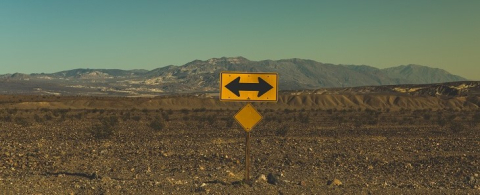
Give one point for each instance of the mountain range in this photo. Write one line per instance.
(203, 76)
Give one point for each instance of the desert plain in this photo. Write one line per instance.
(306, 143)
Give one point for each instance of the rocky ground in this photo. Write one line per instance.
(202, 151)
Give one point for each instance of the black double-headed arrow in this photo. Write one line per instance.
(262, 87)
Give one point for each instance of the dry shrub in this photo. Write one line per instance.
(21, 121)
(457, 127)
(157, 125)
(282, 131)
(106, 129)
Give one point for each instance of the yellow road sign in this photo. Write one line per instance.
(248, 86)
(248, 117)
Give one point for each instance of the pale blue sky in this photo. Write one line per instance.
(50, 36)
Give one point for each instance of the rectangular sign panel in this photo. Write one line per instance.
(248, 86)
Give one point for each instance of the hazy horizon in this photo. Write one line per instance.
(51, 36)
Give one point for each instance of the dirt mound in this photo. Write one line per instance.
(286, 101)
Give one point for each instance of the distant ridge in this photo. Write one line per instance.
(203, 76)
(304, 74)
(417, 74)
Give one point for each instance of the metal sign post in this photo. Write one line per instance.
(247, 87)
(247, 157)
(248, 117)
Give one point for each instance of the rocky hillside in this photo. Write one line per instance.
(203, 76)
(300, 73)
(450, 96)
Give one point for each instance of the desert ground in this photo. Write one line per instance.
(192, 145)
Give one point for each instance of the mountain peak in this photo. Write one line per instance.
(231, 60)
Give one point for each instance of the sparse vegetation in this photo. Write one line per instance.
(37, 118)
(427, 116)
(48, 117)
(184, 111)
(457, 127)
(136, 118)
(7, 118)
(304, 118)
(476, 118)
(211, 119)
(183, 143)
(282, 131)
(441, 121)
(105, 129)
(229, 122)
(157, 125)
(21, 121)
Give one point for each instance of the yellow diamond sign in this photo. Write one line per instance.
(248, 117)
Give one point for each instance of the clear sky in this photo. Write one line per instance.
(50, 36)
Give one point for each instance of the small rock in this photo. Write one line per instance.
(149, 170)
(334, 182)
(471, 181)
(408, 166)
(106, 179)
(273, 179)
(164, 154)
(95, 175)
(302, 183)
(202, 189)
(260, 179)
(230, 174)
